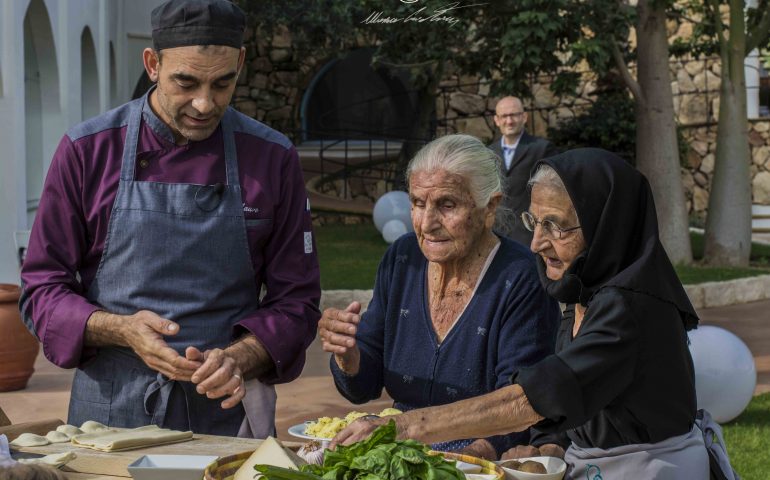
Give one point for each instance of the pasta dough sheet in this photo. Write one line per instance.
(111, 440)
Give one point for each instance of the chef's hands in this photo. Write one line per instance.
(218, 376)
(143, 332)
(222, 371)
(145, 337)
(337, 329)
(217, 372)
(521, 451)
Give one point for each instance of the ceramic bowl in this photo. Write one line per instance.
(170, 467)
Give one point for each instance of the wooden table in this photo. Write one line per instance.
(95, 465)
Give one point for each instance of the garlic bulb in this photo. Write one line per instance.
(312, 452)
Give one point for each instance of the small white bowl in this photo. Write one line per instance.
(170, 467)
(555, 469)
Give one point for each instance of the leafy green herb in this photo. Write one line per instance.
(379, 457)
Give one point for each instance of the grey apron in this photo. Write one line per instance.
(179, 250)
(675, 458)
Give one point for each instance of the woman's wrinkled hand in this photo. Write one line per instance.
(358, 430)
(337, 329)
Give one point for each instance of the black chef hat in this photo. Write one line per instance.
(181, 23)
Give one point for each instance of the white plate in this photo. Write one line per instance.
(299, 432)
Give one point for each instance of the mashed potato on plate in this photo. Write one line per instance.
(328, 427)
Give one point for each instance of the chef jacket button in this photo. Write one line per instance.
(143, 163)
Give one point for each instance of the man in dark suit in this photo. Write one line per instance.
(519, 152)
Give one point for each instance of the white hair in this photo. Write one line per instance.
(547, 176)
(462, 155)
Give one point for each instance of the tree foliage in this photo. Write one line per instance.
(609, 123)
(507, 41)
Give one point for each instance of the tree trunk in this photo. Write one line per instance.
(657, 150)
(728, 224)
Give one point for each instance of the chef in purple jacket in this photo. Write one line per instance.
(159, 224)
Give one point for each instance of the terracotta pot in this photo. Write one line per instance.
(18, 347)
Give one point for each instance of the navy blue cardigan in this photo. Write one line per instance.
(509, 323)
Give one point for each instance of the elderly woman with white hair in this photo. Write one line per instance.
(456, 308)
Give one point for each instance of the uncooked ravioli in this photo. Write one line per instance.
(54, 459)
(69, 430)
(30, 440)
(90, 426)
(57, 437)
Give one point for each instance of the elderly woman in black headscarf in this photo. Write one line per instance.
(621, 383)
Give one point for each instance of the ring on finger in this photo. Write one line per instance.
(240, 383)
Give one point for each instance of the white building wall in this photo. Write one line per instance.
(12, 138)
(125, 24)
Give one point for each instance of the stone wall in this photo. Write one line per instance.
(274, 80)
(699, 165)
(464, 105)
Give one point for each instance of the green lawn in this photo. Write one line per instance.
(349, 255)
(760, 253)
(760, 265)
(698, 274)
(748, 440)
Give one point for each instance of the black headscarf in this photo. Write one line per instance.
(616, 212)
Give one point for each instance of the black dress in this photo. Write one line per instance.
(626, 378)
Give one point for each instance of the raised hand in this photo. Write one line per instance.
(337, 329)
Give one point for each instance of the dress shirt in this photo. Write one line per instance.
(509, 151)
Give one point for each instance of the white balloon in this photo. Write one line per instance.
(725, 374)
(392, 230)
(392, 205)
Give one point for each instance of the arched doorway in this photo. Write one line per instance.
(89, 76)
(349, 98)
(42, 106)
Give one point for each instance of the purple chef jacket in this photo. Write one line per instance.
(67, 239)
